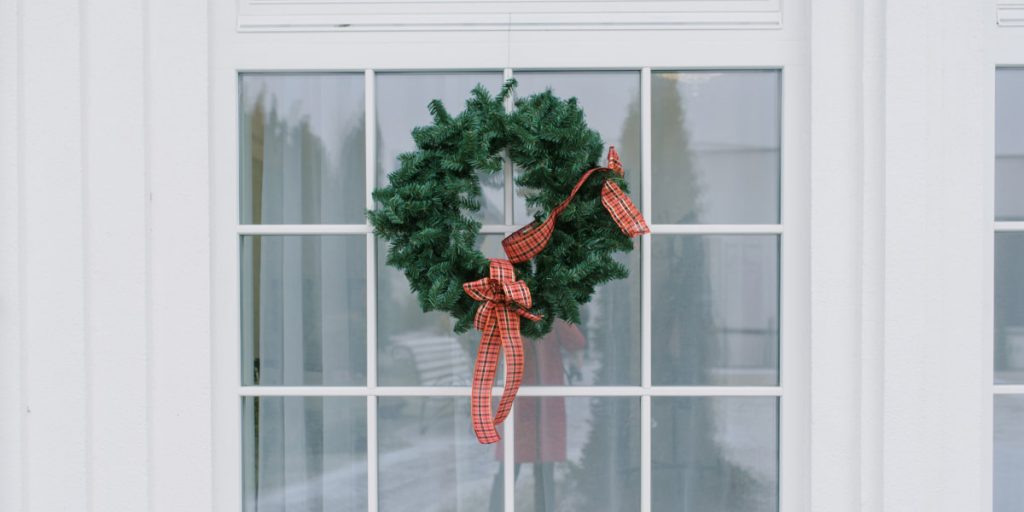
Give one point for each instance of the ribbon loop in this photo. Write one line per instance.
(531, 239)
(504, 301)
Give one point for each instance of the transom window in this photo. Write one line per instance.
(665, 397)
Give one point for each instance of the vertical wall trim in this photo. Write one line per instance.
(872, 250)
(147, 152)
(11, 308)
(54, 351)
(837, 166)
(113, 222)
(84, 219)
(180, 421)
(938, 160)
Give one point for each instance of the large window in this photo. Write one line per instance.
(665, 397)
(1008, 453)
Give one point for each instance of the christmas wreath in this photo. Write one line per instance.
(424, 214)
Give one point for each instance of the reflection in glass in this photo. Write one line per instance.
(402, 100)
(429, 458)
(416, 348)
(302, 146)
(611, 101)
(576, 453)
(1008, 453)
(304, 453)
(715, 310)
(609, 331)
(1009, 144)
(604, 350)
(1009, 308)
(304, 310)
(714, 453)
(716, 143)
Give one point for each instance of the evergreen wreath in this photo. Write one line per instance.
(422, 213)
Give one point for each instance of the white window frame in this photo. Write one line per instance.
(498, 50)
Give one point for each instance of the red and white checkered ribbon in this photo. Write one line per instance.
(526, 243)
(505, 300)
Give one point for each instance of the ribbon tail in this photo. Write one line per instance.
(483, 378)
(623, 211)
(513, 345)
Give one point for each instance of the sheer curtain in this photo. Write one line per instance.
(304, 296)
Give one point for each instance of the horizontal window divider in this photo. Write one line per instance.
(361, 391)
(716, 229)
(1008, 389)
(1006, 225)
(488, 229)
(303, 229)
(658, 229)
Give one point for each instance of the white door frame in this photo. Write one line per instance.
(640, 50)
(887, 207)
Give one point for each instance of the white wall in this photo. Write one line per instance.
(104, 261)
(105, 245)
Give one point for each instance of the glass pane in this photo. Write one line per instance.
(304, 310)
(577, 453)
(304, 453)
(430, 459)
(1008, 453)
(714, 453)
(1009, 144)
(302, 147)
(416, 348)
(402, 105)
(604, 350)
(716, 147)
(611, 101)
(715, 313)
(1009, 308)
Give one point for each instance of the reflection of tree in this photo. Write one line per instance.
(608, 475)
(682, 480)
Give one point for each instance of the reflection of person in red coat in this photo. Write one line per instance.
(540, 421)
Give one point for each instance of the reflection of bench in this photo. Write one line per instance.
(436, 360)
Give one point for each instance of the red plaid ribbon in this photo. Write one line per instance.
(526, 243)
(504, 301)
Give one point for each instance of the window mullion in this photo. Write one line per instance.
(645, 290)
(371, 295)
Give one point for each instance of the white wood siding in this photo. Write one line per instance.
(104, 260)
(109, 399)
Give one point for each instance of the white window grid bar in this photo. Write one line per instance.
(508, 459)
(537, 391)
(370, 152)
(490, 229)
(1009, 226)
(646, 127)
(645, 391)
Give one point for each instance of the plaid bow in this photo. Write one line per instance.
(504, 301)
(529, 240)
